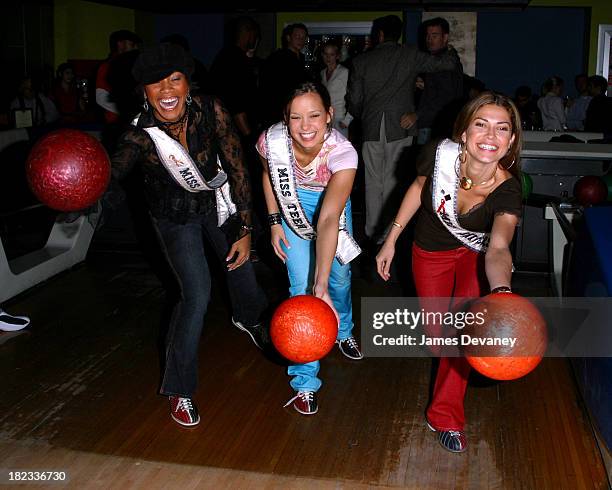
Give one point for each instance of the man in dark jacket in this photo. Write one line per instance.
(434, 114)
(381, 94)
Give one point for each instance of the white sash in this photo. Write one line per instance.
(444, 196)
(185, 173)
(280, 162)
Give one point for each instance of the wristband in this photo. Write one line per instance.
(248, 228)
(397, 225)
(501, 289)
(274, 219)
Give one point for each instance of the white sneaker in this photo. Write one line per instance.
(11, 323)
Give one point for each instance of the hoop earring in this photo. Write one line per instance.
(188, 99)
(463, 153)
(509, 166)
(145, 105)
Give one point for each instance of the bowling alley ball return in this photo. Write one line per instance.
(68, 170)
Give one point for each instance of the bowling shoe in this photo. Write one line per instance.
(258, 333)
(183, 411)
(350, 348)
(451, 440)
(12, 323)
(304, 402)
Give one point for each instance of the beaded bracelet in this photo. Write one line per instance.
(501, 289)
(274, 219)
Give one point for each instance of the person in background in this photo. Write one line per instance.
(119, 42)
(334, 77)
(30, 98)
(234, 81)
(381, 95)
(283, 70)
(311, 166)
(528, 108)
(551, 105)
(599, 113)
(69, 100)
(435, 111)
(469, 195)
(576, 109)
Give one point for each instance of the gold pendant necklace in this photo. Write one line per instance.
(466, 183)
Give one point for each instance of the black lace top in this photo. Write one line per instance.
(210, 132)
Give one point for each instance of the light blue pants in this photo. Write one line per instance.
(300, 268)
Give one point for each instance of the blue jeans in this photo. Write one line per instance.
(184, 249)
(300, 268)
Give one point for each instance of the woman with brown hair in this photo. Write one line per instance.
(469, 193)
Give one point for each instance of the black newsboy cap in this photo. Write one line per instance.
(156, 63)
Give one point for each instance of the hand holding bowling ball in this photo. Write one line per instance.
(68, 170)
(506, 316)
(303, 329)
(590, 190)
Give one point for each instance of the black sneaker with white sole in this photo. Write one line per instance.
(350, 348)
(12, 323)
(258, 333)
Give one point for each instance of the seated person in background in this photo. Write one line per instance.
(599, 113)
(551, 105)
(30, 98)
(576, 109)
(69, 101)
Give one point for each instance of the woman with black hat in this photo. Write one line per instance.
(196, 185)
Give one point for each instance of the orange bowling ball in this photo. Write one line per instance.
(506, 316)
(303, 328)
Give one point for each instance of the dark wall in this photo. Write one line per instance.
(26, 45)
(525, 48)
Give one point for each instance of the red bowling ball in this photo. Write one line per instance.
(590, 190)
(506, 316)
(303, 329)
(68, 170)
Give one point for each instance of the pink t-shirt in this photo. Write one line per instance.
(336, 154)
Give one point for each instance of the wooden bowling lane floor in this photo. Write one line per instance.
(79, 395)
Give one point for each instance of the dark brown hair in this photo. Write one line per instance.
(307, 88)
(510, 161)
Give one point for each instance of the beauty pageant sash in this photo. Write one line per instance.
(444, 196)
(280, 162)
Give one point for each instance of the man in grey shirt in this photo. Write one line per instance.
(381, 95)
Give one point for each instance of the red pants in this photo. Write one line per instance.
(458, 273)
